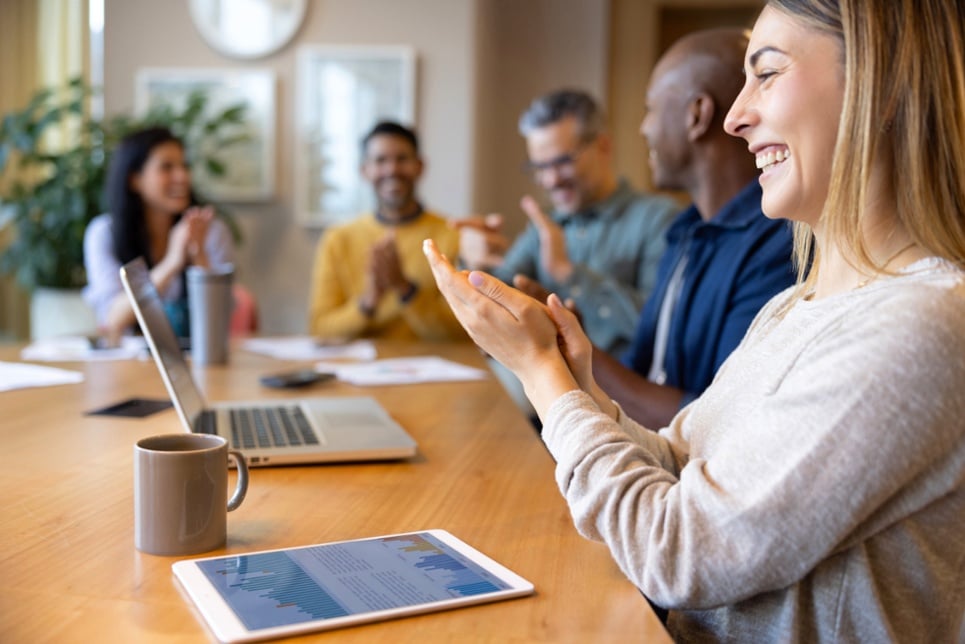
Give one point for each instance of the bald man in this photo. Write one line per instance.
(724, 258)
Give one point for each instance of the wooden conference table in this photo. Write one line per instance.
(70, 572)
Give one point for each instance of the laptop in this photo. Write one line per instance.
(267, 432)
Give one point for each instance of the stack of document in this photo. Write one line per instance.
(18, 375)
(401, 371)
(79, 348)
(354, 362)
(308, 348)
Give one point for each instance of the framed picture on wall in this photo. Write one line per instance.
(341, 93)
(246, 149)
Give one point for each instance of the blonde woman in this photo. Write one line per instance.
(816, 490)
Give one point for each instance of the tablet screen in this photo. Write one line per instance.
(340, 580)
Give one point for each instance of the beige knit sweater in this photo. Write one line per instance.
(815, 492)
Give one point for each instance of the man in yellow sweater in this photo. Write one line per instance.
(370, 277)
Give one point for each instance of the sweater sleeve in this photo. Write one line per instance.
(333, 311)
(858, 432)
(102, 267)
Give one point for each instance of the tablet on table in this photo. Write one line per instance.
(276, 593)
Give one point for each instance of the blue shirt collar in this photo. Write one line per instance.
(739, 212)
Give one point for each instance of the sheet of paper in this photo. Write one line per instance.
(77, 348)
(401, 371)
(19, 375)
(308, 348)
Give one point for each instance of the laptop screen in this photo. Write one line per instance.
(164, 344)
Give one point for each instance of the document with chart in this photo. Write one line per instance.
(277, 593)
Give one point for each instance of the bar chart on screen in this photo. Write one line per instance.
(342, 579)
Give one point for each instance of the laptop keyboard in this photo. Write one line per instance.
(264, 427)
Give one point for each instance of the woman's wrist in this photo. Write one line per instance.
(545, 382)
(165, 271)
(199, 258)
(603, 401)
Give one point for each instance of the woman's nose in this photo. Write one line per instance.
(740, 116)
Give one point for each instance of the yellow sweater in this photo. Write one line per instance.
(338, 280)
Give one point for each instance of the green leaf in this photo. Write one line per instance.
(215, 167)
(233, 114)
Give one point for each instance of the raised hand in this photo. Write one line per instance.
(384, 274)
(187, 237)
(531, 287)
(510, 326)
(578, 351)
(482, 243)
(386, 265)
(372, 291)
(553, 255)
(197, 220)
(574, 344)
(179, 237)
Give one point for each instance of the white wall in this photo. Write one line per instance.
(480, 63)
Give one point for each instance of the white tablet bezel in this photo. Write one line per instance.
(223, 623)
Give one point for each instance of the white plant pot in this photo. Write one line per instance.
(55, 311)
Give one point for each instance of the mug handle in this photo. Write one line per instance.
(241, 488)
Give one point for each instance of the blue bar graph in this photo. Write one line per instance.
(348, 578)
(442, 567)
(254, 583)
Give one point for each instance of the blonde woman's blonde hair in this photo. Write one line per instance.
(904, 103)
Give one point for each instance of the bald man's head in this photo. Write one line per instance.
(691, 89)
(709, 61)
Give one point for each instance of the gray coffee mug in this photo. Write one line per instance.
(180, 493)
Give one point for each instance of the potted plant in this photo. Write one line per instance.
(49, 193)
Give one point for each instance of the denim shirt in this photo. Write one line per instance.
(736, 262)
(615, 247)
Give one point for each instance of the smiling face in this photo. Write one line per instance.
(164, 181)
(393, 167)
(788, 112)
(573, 171)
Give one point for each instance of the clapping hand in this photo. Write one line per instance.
(512, 327)
(187, 238)
(385, 264)
(482, 243)
(384, 273)
(553, 256)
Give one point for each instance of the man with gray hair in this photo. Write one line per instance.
(601, 244)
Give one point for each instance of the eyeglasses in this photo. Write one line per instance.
(564, 165)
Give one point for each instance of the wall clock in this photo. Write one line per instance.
(247, 28)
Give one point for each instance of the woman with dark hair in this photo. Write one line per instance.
(815, 492)
(152, 215)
